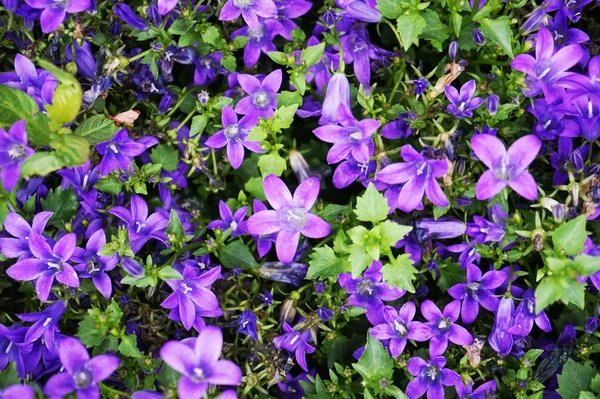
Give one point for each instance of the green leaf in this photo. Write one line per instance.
(435, 31)
(390, 233)
(109, 185)
(548, 291)
(128, 347)
(574, 378)
(212, 35)
(596, 383)
(299, 81)
(199, 123)
(72, 149)
(168, 377)
(359, 260)
(410, 27)
(569, 237)
(88, 333)
(174, 227)
(587, 265)
(586, 395)
(400, 272)
(180, 26)
(64, 204)
(325, 263)
(498, 32)
(67, 98)
(286, 98)
(97, 129)
(9, 376)
(371, 206)
(390, 9)
(41, 164)
(168, 273)
(278, 57)
(236, 254)
(312, 54)
(15, 105)
(271, 164)
(375, 362)
(573, 292)
(38, 130)
(284, 116)
(255, 187)
(166, 155)
(258, 133)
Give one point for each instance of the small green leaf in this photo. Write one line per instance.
(278, 57)
(371, 206)
(180, 26)
(64, 204)
(312, 54)
(325, 263)
(166, 155)
(435, 31)
(174, 227)
(570, 236)
(401, 273)
(128, 346)
(271, 164)
(38, 130)
(299, 81)
(9, 376)
(15, 105)
(212, 35)
(573, 292)
(284, 116)
(390, 233)
(88, 333)
(390, 9)
(199, 123)
(237, 254)
(286, 98)
(359, 260)
(375, 361)
(574, 378)
(587, 265)
(67, 98)
(498, 32)
(97, 129)
(410, 27)
(168, 273)
(548, 291)
(73, 150)
(41, 164)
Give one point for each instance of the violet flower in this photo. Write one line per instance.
(357, 49)
(463, 104)
(166, 6)
(48, 263)
(443, 327)
(55, 11)
(246, 323)
(127, 15)
(197, 359)
(399, 328)
(261, 40)
(507, 168)
(250, 10)
(13, 151)
(484, 391)
(91, 265)
(562, 34)
(192, 298)
(349, 170)
(38, 83)
(15, 225)
(295, 342)
(235, 222)
(430, 377)
(352, 138)
(141, 227)
(525, 316)
(418, 175)
(261, 100)
(337, 93)
(478, 290)
(81, 374)
(501, 340)
(551, 121)
(264, 242)
(291, 216)
(488, 230)
(233, 135)
(118, 152)
(572, 8)
(17, 392)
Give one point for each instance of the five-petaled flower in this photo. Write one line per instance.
(13, 151)
(430, 377)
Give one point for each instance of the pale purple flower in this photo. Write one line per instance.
(484, 391)
(463, 104)
(197, 359)
(336, 94)
(55, 11)
(17, 392)
(250, 10)
(430, 377)
(262, 98)
(233, 135)
(507, 168)
(296, 342)
(443, 327)
(261, 40)
(166, 6)
(291, 216)
(264, 242)
(13, 151)
(352, 138)
(81, 374)
(488, 230)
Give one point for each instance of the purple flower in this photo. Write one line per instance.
(261, 100)
(561, 32)
(443, 327)
(55, 11)
(264, 242)
(488, 231)
(45, 323)
(250, 11)
(267, 298)
(127, 15)
(291, 216)
(525, 316)
(507, 168)
(192, 298)
(18, 227)
(551, 121)
(418, 175)
(246, 323)
(352, 138)
(233, 135)
(500, 339)
(166, 6)
(17, 392)
(261, 40)
(91, 265)
(572, 8)
(207, 68)
(38, 83)
(357, 49)
(421, 85)
(430, 377)
(399, 328)
(141, 227)
(462, 104)
(477, 290)
(81, 374)
(349, 170)
(369, 292)
(118, 152)
(48, 263)
(442, 228)
(233, 221)
(547, 68)
(197, 359)
(13, 151)
(337, 93)
(295, 342)
(484, 391)
(399, 128)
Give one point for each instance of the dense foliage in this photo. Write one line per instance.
(285, 198)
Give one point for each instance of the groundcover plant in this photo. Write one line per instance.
(207, 199)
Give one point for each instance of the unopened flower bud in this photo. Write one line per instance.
(558, 211)
(492, 102)
(453, 49)
(463, 201)
(288, 311)
(203, 97)
(538, 241)
(576, 158)
(591, 325)
(535, 19)
(299, 166)
(478, 37)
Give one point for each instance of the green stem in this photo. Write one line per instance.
(388, 23)
(140, 55)
(121, 394)
(181, 100)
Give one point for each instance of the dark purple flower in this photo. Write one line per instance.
(289, 273)
(572, 8)
(507, 168)
(421, 85)
(207, 68)
(349, 170)
(478, 290)
(233, 135)
(81, 374)
(399, 128)
(260, 40)
(352, 138)
(91, 265)
(563, 36)
(118, 152)
(418, 174)
(443, 327)
(478, 37)
(430, 377)
(296, 342)
(45, 324)
(463, 104)
(488, 230)
(399, 327)
(192, 298)
(48, 263)
(500, 339)
(250, 10)
(229, 220)
(197, 359)
(484, 391)
(13, 151)
(38, 83)
(18, 227)
(267, 298)
(525, 316)
(55, 11)
(261, 100)
(141, 227)
(292, 389)
(127, 15)
(551, 121)
(291, 216)
(246, 323)
(357, 49)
